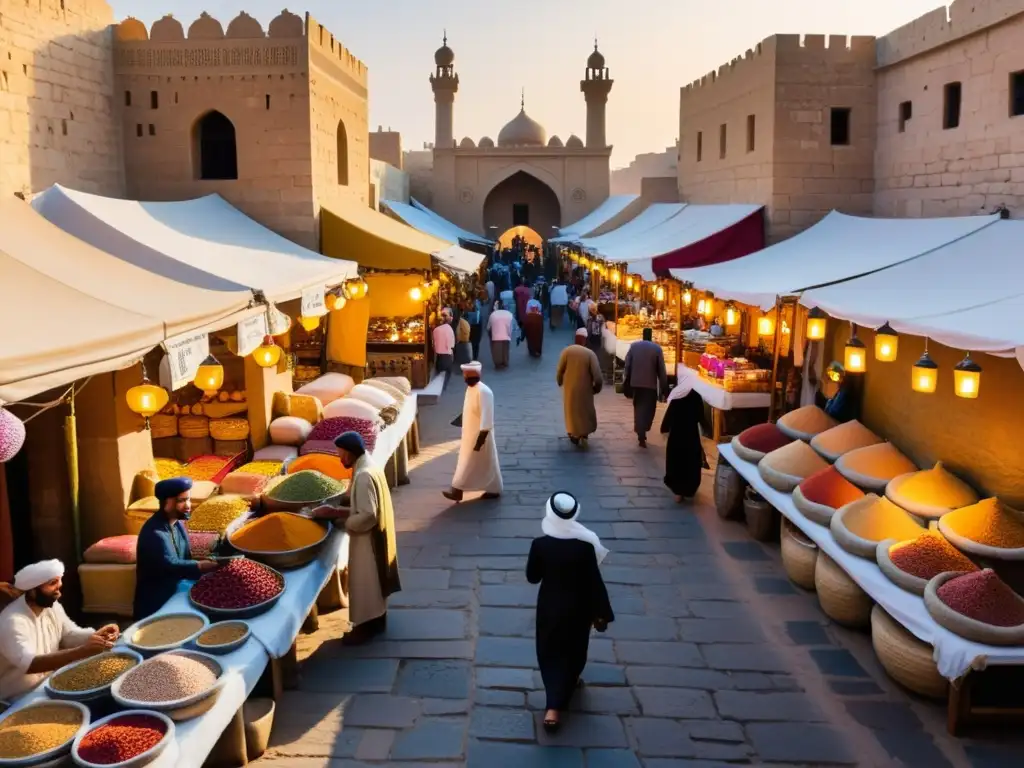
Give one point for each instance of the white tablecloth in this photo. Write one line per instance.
(389, 440)
(953, 654)
(717, 397)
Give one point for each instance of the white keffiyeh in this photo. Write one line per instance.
(37, 574)
(559, 528)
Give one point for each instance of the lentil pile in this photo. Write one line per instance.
(121, 739)
(173, 629)
(205, 467)
(224, 633)
(168, 468)
(929, 555)
(239, 584)
(984, 597)
(308, 485)
(36, 730)
(278, 532)
(987, 523)
(168, 677)
(94, 673)
(880, 519)
(216, 513)
(267, 468)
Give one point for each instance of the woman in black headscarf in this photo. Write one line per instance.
(571, 600)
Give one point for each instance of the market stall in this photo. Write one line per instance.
(613, 212)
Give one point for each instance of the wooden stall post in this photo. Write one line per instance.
(679, 327)
(615, 359)
(775, 356)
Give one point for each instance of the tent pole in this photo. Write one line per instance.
(679, 328)
(775, 356)
(618, 287)
(71, 454)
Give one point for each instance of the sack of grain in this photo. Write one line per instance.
(229, 429)
(163, 425)
(194, 426)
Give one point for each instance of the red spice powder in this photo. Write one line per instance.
(984, 597)
(764, 438)
(830, 489)
(929, 555)
(121, 739)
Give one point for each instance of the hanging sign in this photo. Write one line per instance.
(312, 303)
(184, 356)
(250, 334)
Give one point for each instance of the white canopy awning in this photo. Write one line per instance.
(207, 235)
(653, 216)
(444, 229)
(598, 217)
(837, 248)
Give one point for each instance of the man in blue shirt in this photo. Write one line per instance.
(164, 557)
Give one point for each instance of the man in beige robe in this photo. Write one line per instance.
(579, 375)
(373, 551)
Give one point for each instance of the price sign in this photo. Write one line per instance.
(250, 334)
(312, 304)
(184, 356)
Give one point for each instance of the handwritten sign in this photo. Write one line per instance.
(312, 303)
(250, 334)
(184, 356)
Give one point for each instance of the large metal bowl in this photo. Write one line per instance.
(170, 706)
(92, 693)
(275, 505)
(63, 749)
(139, 760)
(294, 558)
(128, 636)
(224, 614)
(224, 648)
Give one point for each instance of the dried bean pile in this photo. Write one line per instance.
(239, 584)
(929, 555)
(93, 673)
(308, 485)
(222, 634)
(216, 513)
(121, 739)
(984, 597)
(168, 677)
(173, 629)
(36, 730)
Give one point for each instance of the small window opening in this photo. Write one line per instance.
(906, 112)
(268, 101)
(700, 146)
(152, 130)
(722, 140)
(751, 132)
(154, 100)
(520, 215)
(952, 95)
(217, 151)
(127, 98)
(840, 127)
(1017, 94)
(138, 130)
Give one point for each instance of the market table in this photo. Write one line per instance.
(716, 396)
(393, 448)
(954, 656)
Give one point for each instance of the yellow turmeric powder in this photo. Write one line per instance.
(278, 532)
(987, 522)
(877, 519)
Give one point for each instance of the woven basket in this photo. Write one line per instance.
(194, 427)
(228, 448)
(229, 429)
(163, 425)
(906, 659)
(964, 626)
(813, 511)
(841, 599)
(729, 485)
(762, 519)
(799, 556)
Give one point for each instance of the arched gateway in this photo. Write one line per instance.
(522, 200)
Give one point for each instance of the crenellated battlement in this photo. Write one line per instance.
(320, 39)
(943, 26)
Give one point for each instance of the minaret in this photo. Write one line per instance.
(445, 84)
(596, 87)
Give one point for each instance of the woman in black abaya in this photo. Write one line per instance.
(571, 600)
(684, 454)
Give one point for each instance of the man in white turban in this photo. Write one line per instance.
(36, 635)
(478, 468)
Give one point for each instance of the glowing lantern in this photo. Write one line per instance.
(616, 276)
(12, 435)
(659, 294)
(331, 302)
(267, 354)
(835, 372)
(416, 293)
(855, 355)
(629, 282)
(146, 399)
(209, 376)
(709, 306)
(394, 336)
(309, 324)
(731, 315)
(925, 375)
(687, 297)
(887, 344)
(598, 267)
(816, 325)
(967, 378)
(701, 306)
(765, 325)
(356, 288)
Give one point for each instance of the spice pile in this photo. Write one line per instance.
(223, 633)
(306, 486)
(94, 673)
(173, 629)
(35, 730)
(267, 468)
(278, 532)
(216, 513)
(929, 555)
(984, 597)
(168, 677)
(323, 463)
(205, 467)
(121, 739)
(877, 519)
(168, 468)
(239, 584)
(329, 430)
(986, 523)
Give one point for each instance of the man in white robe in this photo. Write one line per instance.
(478, 468)
(36, 635)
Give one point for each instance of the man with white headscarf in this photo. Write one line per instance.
(478, 468)
(36, 635)
(572, 598)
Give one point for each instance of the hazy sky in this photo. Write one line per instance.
(652, 48)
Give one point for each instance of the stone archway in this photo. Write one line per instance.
(522, 200)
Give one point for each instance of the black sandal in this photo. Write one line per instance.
(552, 726)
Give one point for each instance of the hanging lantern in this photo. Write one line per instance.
(267, 354)
(616, 276)
(209, 376)
(765, 325)
(416, 293)
(278, 323)
(12, 435)
(835, 372)
(687, 297)
(659, 293)
(331, 302)
(732, 315)
(598, 267)
(146, 399)
(816, 324)
(925, 374)
(629, 282)
(709, 306)
(310, 324)
(967, 378)
(701, 306)
(887, 344)
(855, 355)
(356, 288)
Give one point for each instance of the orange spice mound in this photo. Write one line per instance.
(929, 555)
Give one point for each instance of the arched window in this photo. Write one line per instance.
(216, 151)
(342, 154)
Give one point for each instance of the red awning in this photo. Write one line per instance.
(740, 238)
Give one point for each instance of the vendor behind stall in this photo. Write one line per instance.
(36, 635)
(164, 555)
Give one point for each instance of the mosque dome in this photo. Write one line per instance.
(554, 141)
(574, 142)
(522, 131)
(467, 143)
(596, 59)
(486, 143)
(444, 56)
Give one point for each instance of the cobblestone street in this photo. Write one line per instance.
(714, 656)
